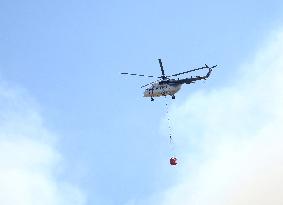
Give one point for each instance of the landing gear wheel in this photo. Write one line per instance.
(173, 97)
(151, 99)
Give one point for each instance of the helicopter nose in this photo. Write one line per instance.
(146, 93)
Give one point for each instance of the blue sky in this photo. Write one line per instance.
(68, 55)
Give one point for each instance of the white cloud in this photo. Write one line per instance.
(238, 137)
(29, 162)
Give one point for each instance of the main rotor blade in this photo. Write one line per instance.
(150, 83)
(191, 70)
(161, 66)
(146, 85)
(164, 77)
(150, 76)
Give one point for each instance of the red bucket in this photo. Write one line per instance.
(173, 161)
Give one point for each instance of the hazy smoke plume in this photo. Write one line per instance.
(236, 134)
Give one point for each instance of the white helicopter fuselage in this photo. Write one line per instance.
(157, 90)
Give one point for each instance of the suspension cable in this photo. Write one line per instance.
(170, 128)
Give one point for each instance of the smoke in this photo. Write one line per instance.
(232, 138)
(30, 165)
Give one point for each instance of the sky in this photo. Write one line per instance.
(74, 131)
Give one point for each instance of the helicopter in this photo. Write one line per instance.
(168, 86)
